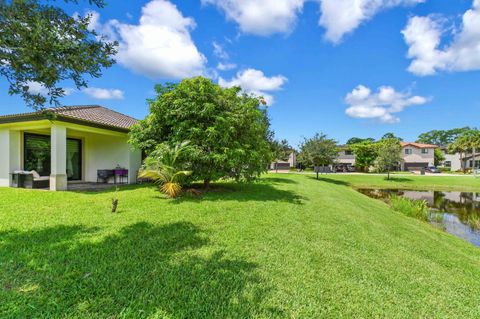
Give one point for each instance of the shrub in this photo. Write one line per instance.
(412, 208)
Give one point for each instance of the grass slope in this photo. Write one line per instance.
(287, 247)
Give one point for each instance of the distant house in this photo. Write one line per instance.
(346, 156)
(416, 156)
(291, 162)
(67, 145)
(452, 161)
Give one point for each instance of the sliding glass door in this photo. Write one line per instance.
(37, 156)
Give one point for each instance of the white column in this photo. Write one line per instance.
(58, 176)
(10, 158)
(134, 163)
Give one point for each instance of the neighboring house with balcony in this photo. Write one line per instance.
(416, 156)
(65, 145)
(346, 156)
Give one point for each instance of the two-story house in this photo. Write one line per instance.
(416, 156)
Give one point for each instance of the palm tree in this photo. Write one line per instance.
(468, 141)
(161, 166)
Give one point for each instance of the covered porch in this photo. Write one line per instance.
(67, 155)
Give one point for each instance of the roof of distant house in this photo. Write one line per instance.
(418, 145)
(93, 115)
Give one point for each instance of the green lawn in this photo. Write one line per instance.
(287, 247)
(401, 181)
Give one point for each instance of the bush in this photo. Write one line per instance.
(411, 208)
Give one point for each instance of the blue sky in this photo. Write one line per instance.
(324, 65)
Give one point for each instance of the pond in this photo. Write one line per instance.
(460, 210)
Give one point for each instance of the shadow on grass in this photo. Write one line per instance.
(277, 180)
(143, 271)
(245, 192)
(398, 179)
(329, 180)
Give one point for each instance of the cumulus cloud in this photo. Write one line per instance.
(159, 46)
(219, 51)
(382, 105)
(255, 82)
(423, 36)
(264, 17)
(340, 17)
(104, 94)
(267, 17)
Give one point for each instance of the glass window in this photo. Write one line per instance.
(424, 150)
(448, 164)
(348, 152)
(37, 154)
(408, 151)
(74, 159)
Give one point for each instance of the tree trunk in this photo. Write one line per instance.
(388, 175)
(114, 205)
(206, 183)
(474, 151)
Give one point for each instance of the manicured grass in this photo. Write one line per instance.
(412, 182)
(287, 247)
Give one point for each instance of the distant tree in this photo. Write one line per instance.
(441, 137)
(389, 150)
(281, 151)
(391, 136)
(318, 150)
(42, 44)
(228, 131)
(365, 154)
(469, 141)
(438, 156)
(356, 140)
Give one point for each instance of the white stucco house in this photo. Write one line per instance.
(291, 162)
(346, 156)
(67, 144)
(416, 156)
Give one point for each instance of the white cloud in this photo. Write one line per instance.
(423, 36)
(160, 46)
(264, 17)
(365, 104)
(226, 66)
(39, 88)
(219, 51)
(340, 17)
(104, 94)
(255, 82)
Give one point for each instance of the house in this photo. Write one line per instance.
(285, 165)
(67, 144)
(346, 156)
(452, 161)
(416, 156)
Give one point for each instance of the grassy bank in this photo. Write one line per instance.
(412, 182)
(287, 247)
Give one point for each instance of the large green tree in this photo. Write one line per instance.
(441, 137)
(41, 43)
(389, 150)
(228, 131)
(318, 150)
(366, 153)
(356, 140)
(469, 141)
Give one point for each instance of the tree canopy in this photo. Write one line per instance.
(318, 150)
(40, 43)
(356, 140)
(228, 131)
(366, 153)
(389, 150)
(390, 135)
(441, 137)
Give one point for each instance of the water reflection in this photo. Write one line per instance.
(461, 210)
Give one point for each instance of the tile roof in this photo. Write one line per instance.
(418, 145)
(88, 114)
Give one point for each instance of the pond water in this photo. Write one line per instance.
(460, 210)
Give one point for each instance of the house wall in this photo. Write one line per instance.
(454, 159)
(417, 156)
(106, 152)
(343, 158)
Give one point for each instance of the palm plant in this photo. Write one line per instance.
(468, 141)
(161, 167)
